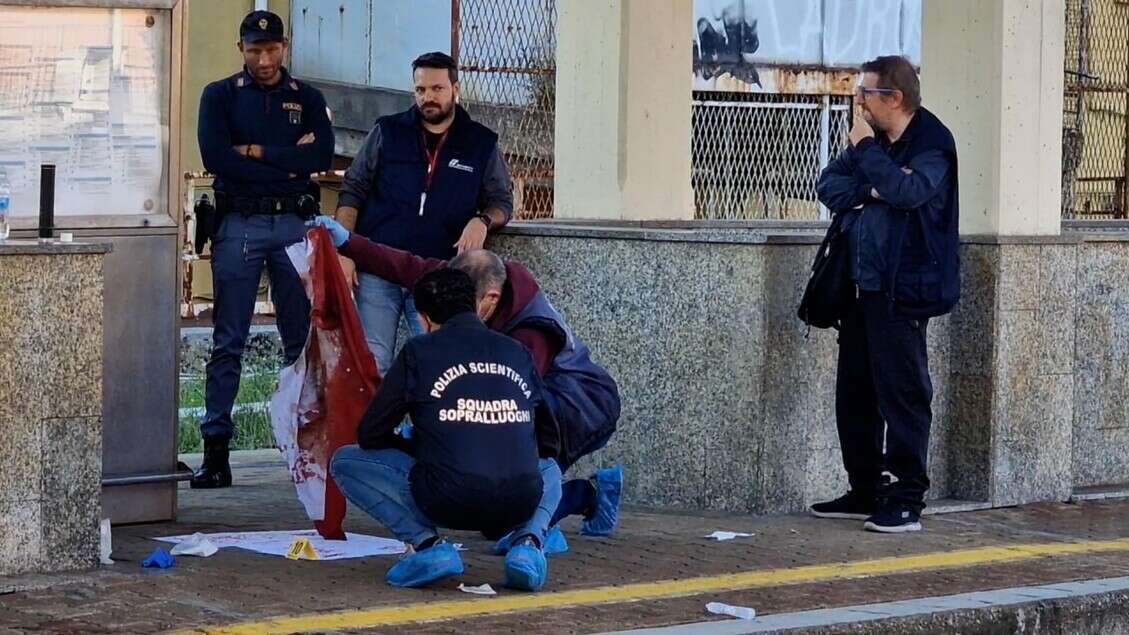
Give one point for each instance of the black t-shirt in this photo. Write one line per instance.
(432, 140)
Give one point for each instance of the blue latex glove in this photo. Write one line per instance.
(337, 231)
(160, 559)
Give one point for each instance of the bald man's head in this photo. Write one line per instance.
(484, 267)
(488, 272)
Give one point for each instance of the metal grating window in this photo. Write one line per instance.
(759, 156)
(506, 51)
(1095, 158)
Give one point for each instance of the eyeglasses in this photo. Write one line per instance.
(863, 91)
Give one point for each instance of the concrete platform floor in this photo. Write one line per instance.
(657, 570)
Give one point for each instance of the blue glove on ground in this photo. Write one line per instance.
(160, 559)
(337, 231)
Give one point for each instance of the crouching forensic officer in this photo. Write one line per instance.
(482, 447)
(261, 133)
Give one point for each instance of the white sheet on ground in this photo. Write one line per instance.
(277, 543)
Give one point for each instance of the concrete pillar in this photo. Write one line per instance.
(993, 71)
(623, 110)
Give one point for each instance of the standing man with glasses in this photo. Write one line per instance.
(897, 184)
(430, 181)
(261, 133)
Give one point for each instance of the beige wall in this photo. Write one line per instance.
(623, 110)
(213, 30)
(993, 71)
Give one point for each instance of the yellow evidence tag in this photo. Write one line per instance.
(301, 549)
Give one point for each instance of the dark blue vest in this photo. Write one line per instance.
(392, 212)
(584, 397)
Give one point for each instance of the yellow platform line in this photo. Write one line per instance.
(658, 590)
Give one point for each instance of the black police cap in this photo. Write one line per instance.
(261, 25)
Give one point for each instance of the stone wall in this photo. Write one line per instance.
(728, 401)
(1101, 364)
(50, 406)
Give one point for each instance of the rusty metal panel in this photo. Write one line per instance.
(331, 40)
(795, 81)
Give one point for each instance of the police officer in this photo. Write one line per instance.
(481, 456)
(261, 133)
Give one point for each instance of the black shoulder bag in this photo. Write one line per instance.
(830, 289)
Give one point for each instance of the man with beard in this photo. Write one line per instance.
(897, 185)
(430, 181)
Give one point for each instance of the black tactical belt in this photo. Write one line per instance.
(303, 205)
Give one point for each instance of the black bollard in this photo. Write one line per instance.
(46, 202)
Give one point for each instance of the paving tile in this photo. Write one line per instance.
(235, 586)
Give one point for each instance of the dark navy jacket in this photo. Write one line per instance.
(907, 243)
(480, 423)
(583, 396)
(388, 176)
(237, 111)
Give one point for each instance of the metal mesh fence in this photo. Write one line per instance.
(506, 51)
(759, 156)
(1095, 121)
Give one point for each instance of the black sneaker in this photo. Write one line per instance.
(894, 519)
(851, 505)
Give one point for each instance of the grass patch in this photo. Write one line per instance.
(252, 426)
(252, 432)
(254, 386)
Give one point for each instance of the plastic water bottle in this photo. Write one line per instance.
(739, 612)
(5, 205)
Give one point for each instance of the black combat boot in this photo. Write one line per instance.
(215, 471)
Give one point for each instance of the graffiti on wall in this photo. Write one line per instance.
(797, 46)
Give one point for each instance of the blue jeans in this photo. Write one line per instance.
(378, 481)
(242, 247)
(538, 525)
(380, 304)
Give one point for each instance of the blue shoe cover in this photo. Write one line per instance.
(555, 542)
(609, 488)
(526, 567)
(423, 567)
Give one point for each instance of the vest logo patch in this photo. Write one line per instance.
(291, 105)
(460, 166)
